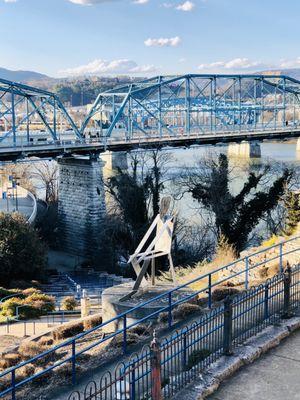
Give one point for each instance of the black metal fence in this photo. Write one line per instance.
(161, 370)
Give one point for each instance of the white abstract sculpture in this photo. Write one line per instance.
(162, 228)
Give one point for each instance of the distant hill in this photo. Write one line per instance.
(292, 72)
(22, 76)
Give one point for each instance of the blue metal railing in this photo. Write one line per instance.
(212, 281)
(192, 349)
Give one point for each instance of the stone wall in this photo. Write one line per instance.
(81, 205)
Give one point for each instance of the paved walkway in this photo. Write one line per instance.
(275, 376)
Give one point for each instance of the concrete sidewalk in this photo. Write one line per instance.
(275, 376)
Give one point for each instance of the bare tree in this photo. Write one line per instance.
(46, 172)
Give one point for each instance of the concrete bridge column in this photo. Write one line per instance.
(244, 150)
(298, 145)
(81, 204)
(112, 163)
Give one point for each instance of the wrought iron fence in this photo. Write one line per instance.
(162, 370)
(169, 303)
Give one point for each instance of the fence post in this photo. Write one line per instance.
(132, 386)
(209, 291)
(73, 363)
(227, 333)
(184, 361)
(13, 384)
(246, 273)
(287, 293)
(170, 310)
(124, 334)
(266, 301)
(280, 258)
(155, 356)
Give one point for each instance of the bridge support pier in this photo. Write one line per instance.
(81, 204)
(298, 145)
(114, 160)
(244, 150)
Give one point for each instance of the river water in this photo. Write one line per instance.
(279, 153)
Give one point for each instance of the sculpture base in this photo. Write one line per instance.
(112, 304)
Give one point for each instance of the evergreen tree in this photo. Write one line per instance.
(236, 215)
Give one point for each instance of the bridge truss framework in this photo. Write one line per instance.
(197, 104)
(159, 108)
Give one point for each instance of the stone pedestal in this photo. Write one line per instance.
(85, 304)
(244, 150)
(81, 204)
(112, 305)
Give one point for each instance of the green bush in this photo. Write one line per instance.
(197, 356)
(68, 330)
(22, 253)
(8, 307)
(30, 291)
(69, 303)
(41, 301)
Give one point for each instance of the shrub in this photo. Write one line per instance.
(184, 310)
(197, 356)
(25, 372)
(31, 291)
(10, 360)
(221, 292)
(45, 341)
(8, 307)
(41, 301)
(92, 322)
(132, 338)
(69, 303)
(30, 349)
(68, 330)
(163, 317)
(141, 330)
(28, 311)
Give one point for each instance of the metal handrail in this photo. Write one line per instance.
(123, 316)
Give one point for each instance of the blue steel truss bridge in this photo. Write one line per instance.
(161, 111)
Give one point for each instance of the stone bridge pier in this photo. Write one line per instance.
(244, 149)
(82, 201)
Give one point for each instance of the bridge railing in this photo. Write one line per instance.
(163, 369)
(82, 343)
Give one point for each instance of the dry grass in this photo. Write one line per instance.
(28, 350)
(10, 360)
(92, 322)
(185, 310)
(46, 341)
(68, 330)
(221, 292)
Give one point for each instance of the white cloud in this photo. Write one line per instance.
(98, 67)
(290, 63)
(140, 1)
(234, 64)
(163, 42)
(89, 2)
(186, 6)
(10, 1)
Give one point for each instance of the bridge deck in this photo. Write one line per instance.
(92, 146)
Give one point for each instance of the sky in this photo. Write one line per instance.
(148, 37)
